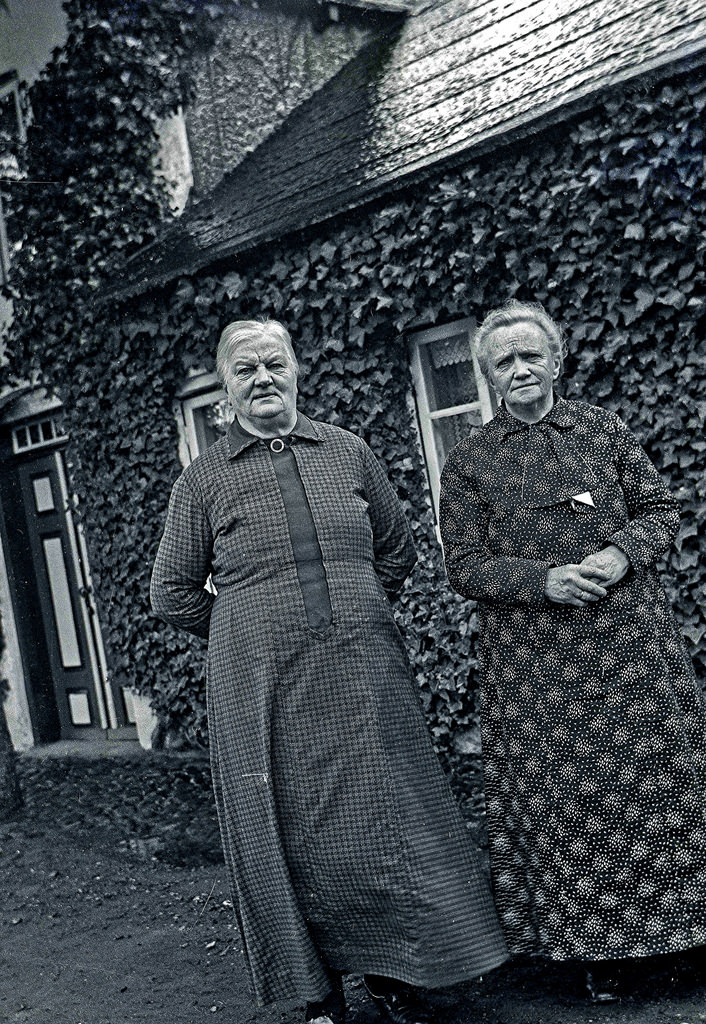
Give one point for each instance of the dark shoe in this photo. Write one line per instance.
(331, 1010)
(602, 982)
(397, 1002)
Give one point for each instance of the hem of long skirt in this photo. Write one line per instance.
(361, 962)
(433, 976)
(656, 949)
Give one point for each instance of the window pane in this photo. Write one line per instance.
(61, 603)
(211, 422)
(79, 708)
(21, 437)
(43, 497)
(448, 372)
(9, 122)
(449, 430)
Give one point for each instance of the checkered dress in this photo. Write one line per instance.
(594, 730)
(343, 843)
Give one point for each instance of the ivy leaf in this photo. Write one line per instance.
(644, 297)
(672, 297)
(233, 285)
(695, 633)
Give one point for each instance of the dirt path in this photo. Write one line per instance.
(91, 936)
(95, 930)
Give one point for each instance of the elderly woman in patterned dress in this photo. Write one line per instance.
(552, 518)
(345, 850)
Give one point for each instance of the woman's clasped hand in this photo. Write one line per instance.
(593, 723)
(585, 582)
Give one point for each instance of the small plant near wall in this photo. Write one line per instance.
(602, 221)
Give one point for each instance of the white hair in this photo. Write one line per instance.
(515, 312)
(248, 330)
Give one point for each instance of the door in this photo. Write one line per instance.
(56, 624)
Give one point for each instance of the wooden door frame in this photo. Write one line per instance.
(110, 713)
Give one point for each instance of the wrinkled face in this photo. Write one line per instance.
(521, 367)
(262, 380)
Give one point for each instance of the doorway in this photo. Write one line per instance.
(58, 631)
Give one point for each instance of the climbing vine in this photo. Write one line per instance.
(602, 221)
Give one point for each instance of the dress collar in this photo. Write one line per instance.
(559, 416)
(239, 438)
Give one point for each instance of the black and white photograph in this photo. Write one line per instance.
(352, 511)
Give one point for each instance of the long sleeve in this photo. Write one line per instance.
(654, 513)
(183, 564)
(393, 546)
(473, 570)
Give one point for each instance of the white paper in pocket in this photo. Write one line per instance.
(584, 499)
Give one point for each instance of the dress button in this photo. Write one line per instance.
(277, 444)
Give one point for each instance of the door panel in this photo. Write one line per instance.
(27, 611)
(59, 596)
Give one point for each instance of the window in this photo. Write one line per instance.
(205, 416)
(205, 412)
(12, 128)
(451, 393)
(37, 434)
(4, 250)
(11, 132)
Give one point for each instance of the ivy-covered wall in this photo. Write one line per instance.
(603, 223)
(602, 220)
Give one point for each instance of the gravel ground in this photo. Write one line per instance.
(114, 909)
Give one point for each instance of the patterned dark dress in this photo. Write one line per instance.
(342, 840)
(593, 724)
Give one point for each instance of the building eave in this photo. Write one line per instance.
(193, 257)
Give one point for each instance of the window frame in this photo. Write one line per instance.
(9, 87)
(427, 416)
(202, 389)
(4, 250)
(22, 430)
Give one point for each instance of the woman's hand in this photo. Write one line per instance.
(607, 566)
(567, 584)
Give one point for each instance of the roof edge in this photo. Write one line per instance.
(670, 65)
(382, 6)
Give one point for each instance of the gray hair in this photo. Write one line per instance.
(514, 312)
(248, 330)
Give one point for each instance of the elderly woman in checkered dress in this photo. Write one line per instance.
(344, 848)
(594, 733)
